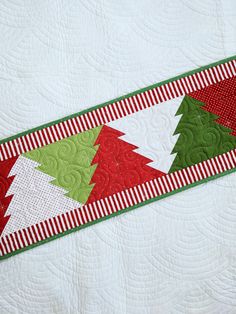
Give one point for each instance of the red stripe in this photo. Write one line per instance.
(17, 240)
(22, 239)
(30, 234)
(27, 237)
(69, 220)
(9, 243)
(5, 246)
(39, 231)
(13, 242)
(43, 230)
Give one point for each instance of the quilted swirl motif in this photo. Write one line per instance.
(200, 137)
(69, 162)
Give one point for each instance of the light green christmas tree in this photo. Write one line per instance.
(69, 162)
(200, 136)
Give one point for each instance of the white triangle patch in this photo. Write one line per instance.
(35, 198)
(152, 131)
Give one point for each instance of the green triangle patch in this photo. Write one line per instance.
(200, 136)
(69, 162)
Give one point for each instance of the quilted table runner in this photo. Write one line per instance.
(117, 156)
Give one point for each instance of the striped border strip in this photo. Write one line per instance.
(116, 203)
(117, 109)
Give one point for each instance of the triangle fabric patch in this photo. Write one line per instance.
(68, 162)
(152, 132)
(118, 165)
(220, 99)
(34, 198)
(200, 137)
(6, 180)
(117, 156)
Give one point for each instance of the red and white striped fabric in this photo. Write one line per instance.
(118, 202)
(117, 109)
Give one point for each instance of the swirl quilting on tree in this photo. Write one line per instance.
(118, 166)
(200, 137)
(5, 183)
(69, 163)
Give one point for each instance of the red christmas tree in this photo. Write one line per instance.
(5, 182)
(118, 166)
(220, 99)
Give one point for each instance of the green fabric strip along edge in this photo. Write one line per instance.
(117, 213)
(118, 99)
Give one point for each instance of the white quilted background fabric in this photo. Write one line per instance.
(177, 255)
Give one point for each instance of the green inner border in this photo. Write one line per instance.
(117, 99)
(135, 206)
(117, 213)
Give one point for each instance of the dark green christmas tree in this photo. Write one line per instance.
(200, 136)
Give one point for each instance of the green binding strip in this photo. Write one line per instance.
(117, 213)
(135, 206)
(117, 99)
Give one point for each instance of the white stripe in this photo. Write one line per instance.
(79, 216)
(92, 120)
(8, 150)
(224, 162)
(83, 214)
(100, 207)
(232, 67)
(205, 169)
(104, 207)
(170, 183)
(162, 185)
(112, 204)
(10, 244)
(33, 235)
(121, 201)
(232, 153)
(4, 151)
(17, 147)
(71, 127)
(124, 107)
(15, 242)
(86, 209)
(133, 196)
(46, 136)
(62, 125)
(96, 210)
(59, 131)
(198, 171)
(179, 87)
(213, 76)
(230, 160)
(68, 227)
(156, 94)
(77, 121)
(157, 186)
(218, 163)
(50, 131)
(141, 193)
(38, 139)
(116, 202)
(129, 198)
(75, 125)
(149, 189)
(165, 184)
(125, 200)
(182, 178)
(84, 118)
(108, 206)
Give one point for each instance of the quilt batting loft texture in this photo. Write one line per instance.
(176, 253)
